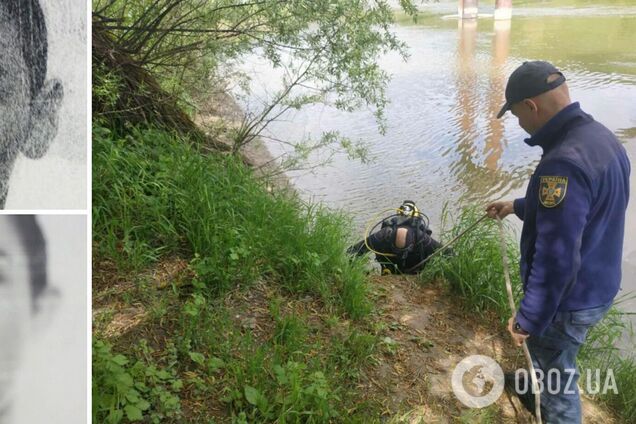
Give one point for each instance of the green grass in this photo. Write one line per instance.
(475, 272)
(205, 365)
(156, 195)
(601, 352)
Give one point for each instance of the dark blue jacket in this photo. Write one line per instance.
(573, 219)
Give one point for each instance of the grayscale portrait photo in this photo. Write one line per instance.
(43, 102)
(43, 330)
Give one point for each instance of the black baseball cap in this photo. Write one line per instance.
(529, 80)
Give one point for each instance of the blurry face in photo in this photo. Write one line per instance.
(23, 291)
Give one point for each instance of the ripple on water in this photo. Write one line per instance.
(442, 142)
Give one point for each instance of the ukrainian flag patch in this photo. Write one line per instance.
(552, 191)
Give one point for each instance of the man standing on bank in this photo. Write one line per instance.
(573, 225)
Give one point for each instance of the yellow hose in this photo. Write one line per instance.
(367, 232)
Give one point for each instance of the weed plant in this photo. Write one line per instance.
(125, 389)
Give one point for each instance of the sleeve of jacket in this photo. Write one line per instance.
(519, 207)
(557, 257)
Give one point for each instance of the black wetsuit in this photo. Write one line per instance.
(420, 245)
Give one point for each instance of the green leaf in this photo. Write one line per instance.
(215, 364)
(143, 405)
(252, 395)
(133, 413)
(197, 358)
(281, 375)
(124, 380)
(163, 375)
(133, 396)
(120, 360)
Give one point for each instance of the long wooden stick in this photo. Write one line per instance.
(511, 301)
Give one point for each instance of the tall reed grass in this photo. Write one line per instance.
(602, 351)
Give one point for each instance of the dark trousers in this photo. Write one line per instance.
(554, 353)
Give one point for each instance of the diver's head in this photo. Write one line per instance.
(408, 208)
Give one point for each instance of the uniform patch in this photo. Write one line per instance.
(552, 191)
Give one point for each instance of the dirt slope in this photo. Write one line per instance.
(431, 335)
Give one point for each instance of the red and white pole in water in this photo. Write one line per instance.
(467, 9)
(503, 9)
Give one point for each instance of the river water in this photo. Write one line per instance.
(443, 143)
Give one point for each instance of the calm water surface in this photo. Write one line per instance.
(443, 143)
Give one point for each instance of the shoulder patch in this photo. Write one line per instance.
(552, 191)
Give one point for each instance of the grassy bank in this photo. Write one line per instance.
(475, 273)
(156, 195)
(157, 199)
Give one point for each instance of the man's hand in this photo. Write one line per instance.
(517, 337)
(500, 209)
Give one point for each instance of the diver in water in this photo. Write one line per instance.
(403, 242)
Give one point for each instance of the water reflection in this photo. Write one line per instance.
(466, 108)
(478, 168)
(498, 78)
